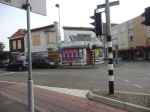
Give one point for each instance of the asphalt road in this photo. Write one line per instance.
(130, 76)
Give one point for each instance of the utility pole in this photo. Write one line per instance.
(30, 81)
(110, 50)
(59, 27)
(109, 41)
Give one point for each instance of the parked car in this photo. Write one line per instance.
(16, 66)
(2, 65)
(43, 62)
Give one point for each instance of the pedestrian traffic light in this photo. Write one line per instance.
(146, 15)
(97, 23)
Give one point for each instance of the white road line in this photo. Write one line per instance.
(68, 91)
(126, 80)
(7, 73)
(146, 78)
(138, 86)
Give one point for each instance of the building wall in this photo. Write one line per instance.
(16, 45)
(147, 34)
(120, 36)
(82, 36)
(131, 34)
(52, 40)
(42, 38)
(139, 37)
(68, 33)
(39, 42)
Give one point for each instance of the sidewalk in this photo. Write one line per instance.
(130, 101)
(8, 105)
(15, 95)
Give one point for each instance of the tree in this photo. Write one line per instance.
(1, 46)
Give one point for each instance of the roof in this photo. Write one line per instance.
(87, 28)
(77, 28)
(20, 33)
(44, 27)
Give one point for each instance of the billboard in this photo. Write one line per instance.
(38, 6)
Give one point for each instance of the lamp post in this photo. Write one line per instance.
(30, 80)
(58, 33)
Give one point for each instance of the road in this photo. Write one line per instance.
(130, 76)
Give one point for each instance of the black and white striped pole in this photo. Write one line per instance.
(110, 50)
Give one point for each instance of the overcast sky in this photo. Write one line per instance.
(73, 13)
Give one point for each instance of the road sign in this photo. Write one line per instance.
(110, 4)
(38, 6)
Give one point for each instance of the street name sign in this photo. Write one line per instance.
(111, 4)
(37, 6)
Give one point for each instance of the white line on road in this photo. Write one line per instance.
(7, 73)
(126, 80)
(68, 91)
(138, 86)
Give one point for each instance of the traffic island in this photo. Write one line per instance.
(130, 101)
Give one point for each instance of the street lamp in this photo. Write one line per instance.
(59, 34)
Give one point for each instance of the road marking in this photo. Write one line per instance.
(68, 91)
(147, 78)
(7, 73)
(74, 92)
(138, 86)
(126, 80)
(41, 73)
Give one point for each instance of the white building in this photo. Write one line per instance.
(42, 39)
(120, 36)
(81, 35)
(81, 46)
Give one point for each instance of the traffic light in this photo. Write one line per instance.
(147, 17)
(97, 23)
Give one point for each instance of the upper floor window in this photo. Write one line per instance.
(36, 40)
(14, 47)
(19, 44)
(131, 38)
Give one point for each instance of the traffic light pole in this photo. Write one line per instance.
(110, 50)
(30, 81)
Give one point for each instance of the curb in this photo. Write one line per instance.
(116, 103)
(78, 67)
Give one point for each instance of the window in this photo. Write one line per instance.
(19, 44)
(14, 44)
(36, 40)
(131, 38)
